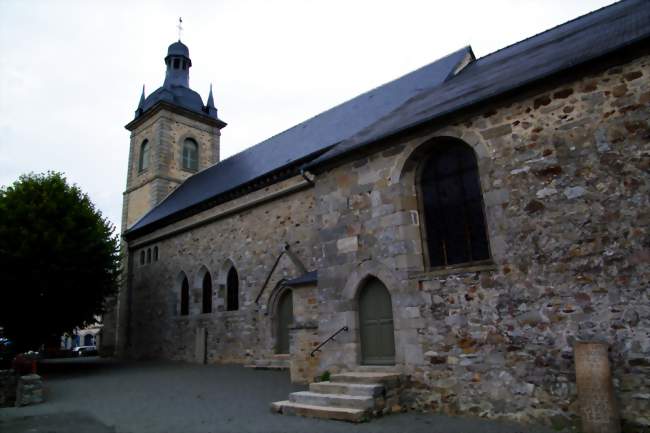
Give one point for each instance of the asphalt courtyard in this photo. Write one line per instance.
(92, 395)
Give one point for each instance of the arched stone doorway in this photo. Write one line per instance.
(376, 324)
(284, 321)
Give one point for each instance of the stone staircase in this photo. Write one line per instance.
(276, 362)
(354, 396)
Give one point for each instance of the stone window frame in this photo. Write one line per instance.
(405, 170)
(222, 281)
(144, 156)
(183, 140)
(199, 286)
(428, 151)
(155, 253)
(183, 284)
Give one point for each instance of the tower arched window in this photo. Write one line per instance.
(453, 206)
(232, 290)
(190, 155)
(143, 162)
(207, 293)
(185, 297)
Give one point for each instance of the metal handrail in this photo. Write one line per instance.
(317, 349)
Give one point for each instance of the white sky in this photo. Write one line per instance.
(71, 72)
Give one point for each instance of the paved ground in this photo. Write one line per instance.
(97, 396)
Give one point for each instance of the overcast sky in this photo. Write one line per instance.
(71, 72)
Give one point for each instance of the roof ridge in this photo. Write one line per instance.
(553, 28)
(466, 47)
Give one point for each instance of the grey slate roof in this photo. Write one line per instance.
(303, 140)
(308, 278)
(421, 96)
(177, 95)
(563, 47)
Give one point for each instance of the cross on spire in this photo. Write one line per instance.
(180, 28)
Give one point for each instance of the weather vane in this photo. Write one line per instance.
(180, 27)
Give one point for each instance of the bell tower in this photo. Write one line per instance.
(173, 135)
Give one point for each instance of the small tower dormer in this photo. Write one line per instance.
(173, 135)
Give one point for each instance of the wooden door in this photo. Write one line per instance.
(284, 320)
(376, 324)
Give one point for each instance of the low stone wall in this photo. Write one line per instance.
(29, 390)
(7, 388)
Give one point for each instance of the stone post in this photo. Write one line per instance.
(598, 410)
(29, 390)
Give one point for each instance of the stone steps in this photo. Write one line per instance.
(360, 389)
(353, 396)
(335, 400)
(324, 412)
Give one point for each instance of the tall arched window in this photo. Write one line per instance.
(185, 297)
(453, 206)
(155, 254)
(232, 290)
(143, 162)
(207, 293)
(142, 254)
(190, 155)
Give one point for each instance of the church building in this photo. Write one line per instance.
(458, 230)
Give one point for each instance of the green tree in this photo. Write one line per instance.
(59, 259)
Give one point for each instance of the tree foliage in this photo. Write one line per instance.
(59, 259)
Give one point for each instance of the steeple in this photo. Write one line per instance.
(209, 106)
(140, 108)
(178, 65)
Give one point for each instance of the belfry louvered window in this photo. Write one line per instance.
(143, 162)
(190, 155)
(453, 206)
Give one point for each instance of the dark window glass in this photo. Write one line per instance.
(142, 257)
(190, 155)
(184, 64)
(176, 63)
(143, 162)
(155, 254)
(185, 297)
(207, 293)
(148, 255)
(453, 206)
(232, 301)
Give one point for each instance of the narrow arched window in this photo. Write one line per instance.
(207, 294)
(148, 255)
(143, 162)
(453, 206)
(190, 155)
(155, 254)
(142, 257)
(232, 290)
(185, 297)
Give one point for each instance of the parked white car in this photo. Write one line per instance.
(84, 351)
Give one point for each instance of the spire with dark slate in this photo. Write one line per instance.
(140, 108)
(209, 107)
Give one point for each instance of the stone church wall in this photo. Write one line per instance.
(251, 240)
(565, 174)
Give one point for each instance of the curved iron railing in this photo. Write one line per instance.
(331, 337)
